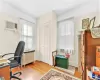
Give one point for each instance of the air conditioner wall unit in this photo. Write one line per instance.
(11, 26)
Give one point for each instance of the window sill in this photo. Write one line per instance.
(29, 51)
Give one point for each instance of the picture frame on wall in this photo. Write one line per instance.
(85, 23)
(92, 22)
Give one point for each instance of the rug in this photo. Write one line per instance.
(70, 70)
(57, 75)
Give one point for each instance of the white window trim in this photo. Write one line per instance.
(65, 35)
(33, 31)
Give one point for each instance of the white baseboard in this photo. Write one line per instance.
(73, 63)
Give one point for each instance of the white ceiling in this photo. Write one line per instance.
(38, 7)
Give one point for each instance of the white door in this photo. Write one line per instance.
(41, 42)
(45, 43)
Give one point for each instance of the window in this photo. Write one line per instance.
(66, 35)
(28, 35)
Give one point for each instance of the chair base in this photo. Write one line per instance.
(17, 73)
(13, 75)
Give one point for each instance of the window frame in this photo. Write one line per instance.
(72, 18)
(27, 36)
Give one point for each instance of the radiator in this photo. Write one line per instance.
(70, 51)
(27, 58)
(62, 51)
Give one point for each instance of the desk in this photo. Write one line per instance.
(5, 71)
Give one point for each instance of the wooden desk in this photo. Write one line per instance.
(5, 72)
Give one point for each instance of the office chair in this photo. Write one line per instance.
(16, 60)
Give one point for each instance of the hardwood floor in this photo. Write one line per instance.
(34, 71)
(41, 67)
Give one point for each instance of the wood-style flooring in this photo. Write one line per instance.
(34, 71)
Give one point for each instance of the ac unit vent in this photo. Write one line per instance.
(11, 25)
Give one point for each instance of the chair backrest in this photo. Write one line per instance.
(19, 51)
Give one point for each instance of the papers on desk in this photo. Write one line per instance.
(89, 73)
(3, 61)
(1, 78)
(94, 73)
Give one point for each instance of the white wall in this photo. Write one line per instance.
(10, 10)
(10, 39)
(87, 10)
(99, 8)
(80, 10)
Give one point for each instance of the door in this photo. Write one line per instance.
(41, 43)
(45, 43)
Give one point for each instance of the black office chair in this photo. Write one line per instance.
(16, 60)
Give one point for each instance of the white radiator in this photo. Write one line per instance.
(27, 58)
(70, 51)
(62, 51)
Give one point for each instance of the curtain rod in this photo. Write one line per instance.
(65, 19)
(27, 20)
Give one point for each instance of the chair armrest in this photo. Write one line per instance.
(7, 54)
(54, 52)
(53, 57)
(13, 57)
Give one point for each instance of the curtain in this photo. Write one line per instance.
(28, 34)
(66, 35)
